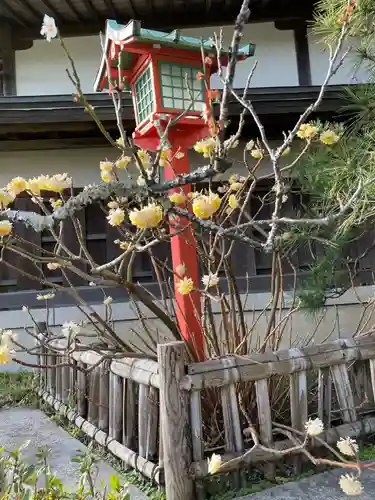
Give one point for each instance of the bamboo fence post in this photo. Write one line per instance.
(174, 413)
(325, 396)
(93, 410)
(82, 390)
(40, 331)
(143, 410)
(265, 421)
(104, 396)
(115, 406)
(65, 380)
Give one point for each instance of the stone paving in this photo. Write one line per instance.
(319, 487)
(18, 425)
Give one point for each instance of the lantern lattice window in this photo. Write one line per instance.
(176, 80)
(144, 94)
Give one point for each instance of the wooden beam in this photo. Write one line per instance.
(74, 9)
(30, 8)
(8, 61)
(133, 12)
(91, 9)
(52, 11)
(9, 11)
(302, 54)
(111, 8)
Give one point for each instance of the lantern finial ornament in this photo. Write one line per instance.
(164, 72)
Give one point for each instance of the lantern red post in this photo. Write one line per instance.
(184, 251)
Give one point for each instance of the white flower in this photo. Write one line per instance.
(49, 29)
(314, 427)
(141, 181)
(70, 329)
(179, 155)
(351, 485)
(25, 309)
(108, 300)
(214, 464)
(92, 283)
(46, 296)
(52, 266)
(210, 279)
(348, 446)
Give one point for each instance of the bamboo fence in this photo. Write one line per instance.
(149, 413)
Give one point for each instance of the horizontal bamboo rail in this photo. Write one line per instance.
(258, 366)
(146, 467)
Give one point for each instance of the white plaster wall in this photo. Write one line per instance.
(348, 73)
(81, 164)
(41, 70)
(275, 53)
(341, 318)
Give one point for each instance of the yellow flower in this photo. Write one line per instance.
(185, 286)
(106, 176)
(16, 186)
(351, 485)
(214, 463)
(4, 354)
(33, 186)
(348, 446)
(59, 182)
(124, 245)
(147, 217)
(233, 202)
(314, 427)
(210, 279)
(205, 206)
(123, 162)
(257, 153)
(236, 186)
(5, 227)
(177, 198)
(5, 198)
(164, 158)
(307, 131)
(206, 147)
(144, 158)
(116, 217)
(329, 137)
(286, 151)
(233, 178)
(106, 166)
(56, 203)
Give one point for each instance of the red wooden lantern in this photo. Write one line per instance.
(166, 76)
(164, 72)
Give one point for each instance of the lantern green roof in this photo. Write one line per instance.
(119, 32)
(133, 31)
